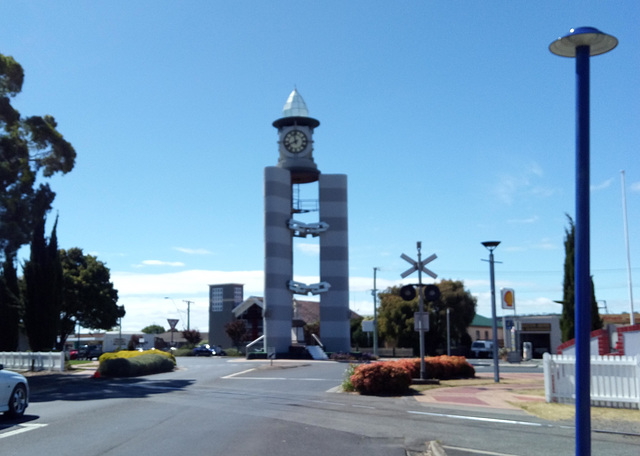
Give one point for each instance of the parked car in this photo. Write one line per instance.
(89, 352)
(203, 350)
(14, 393)
(482, 349)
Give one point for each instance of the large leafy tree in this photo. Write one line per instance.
(89, 297)
(396, 317)
(153, 329)
(43, 290)
(462, 309)
(30, 147)
(567, 321)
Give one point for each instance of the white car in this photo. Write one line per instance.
(14, 393)
(482, 349)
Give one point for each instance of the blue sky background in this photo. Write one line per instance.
(452, 120)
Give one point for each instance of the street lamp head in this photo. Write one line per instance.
(598, 42)
(491, 245)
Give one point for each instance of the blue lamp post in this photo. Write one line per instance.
(582, 43)
(491, 246)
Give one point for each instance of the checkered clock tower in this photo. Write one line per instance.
(296, 167)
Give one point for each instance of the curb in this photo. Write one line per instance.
(435, 449)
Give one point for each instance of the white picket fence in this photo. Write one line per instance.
(615, 380)
(33, 361)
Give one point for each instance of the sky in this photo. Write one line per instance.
(452, 120)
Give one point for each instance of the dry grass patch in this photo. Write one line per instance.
(559, 412)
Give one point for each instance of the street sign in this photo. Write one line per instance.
(172, 323)
(367, 326)
(508, 298)
(418, 265)
(425, 321)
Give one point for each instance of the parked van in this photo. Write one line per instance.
(482, 349)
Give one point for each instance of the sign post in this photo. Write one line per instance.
(172, 324)
(420, 267)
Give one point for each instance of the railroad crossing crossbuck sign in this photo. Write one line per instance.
(418, 265)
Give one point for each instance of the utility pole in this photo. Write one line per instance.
(188, 313)
(375, 313)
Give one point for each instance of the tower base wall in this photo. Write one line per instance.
(278, 264)
(335, 330)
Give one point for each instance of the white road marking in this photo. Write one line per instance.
(479, 418)
(238, 373)
(471, 450)
(21, 429)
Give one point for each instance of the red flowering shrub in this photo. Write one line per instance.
(394, 377)
(380, 378)
(411, 365)
(440, 367)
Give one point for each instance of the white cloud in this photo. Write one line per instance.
(546, 244)
(542, 244)
(635, 187)
(193, 251)
(511, 185)
(535, 169)
(602, 185)
(143, 295)
(183, 282)
(525, 221)
(160, 263)
(308, 249)
(506, 188)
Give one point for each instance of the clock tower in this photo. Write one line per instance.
(295, 131)
(297, 167)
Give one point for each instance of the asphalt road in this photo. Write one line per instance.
(218, 406)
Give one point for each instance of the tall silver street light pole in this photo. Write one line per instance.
(582, 43)
(491, 245)
(626, 237)
(375, 313)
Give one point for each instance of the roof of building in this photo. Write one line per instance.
(307, 311)
(479, 320)
(619, 319)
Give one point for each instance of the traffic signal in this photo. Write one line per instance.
(431, 293)
(408, 293)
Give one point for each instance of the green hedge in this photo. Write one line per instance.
(133, 366)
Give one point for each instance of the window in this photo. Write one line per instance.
(237, 296)
(216, 300)
(486, 334)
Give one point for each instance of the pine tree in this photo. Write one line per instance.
(9, 307)
(43, 288)
(567, 321)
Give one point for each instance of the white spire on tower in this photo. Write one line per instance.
(295, 106)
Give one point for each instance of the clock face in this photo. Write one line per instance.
(295, 141)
